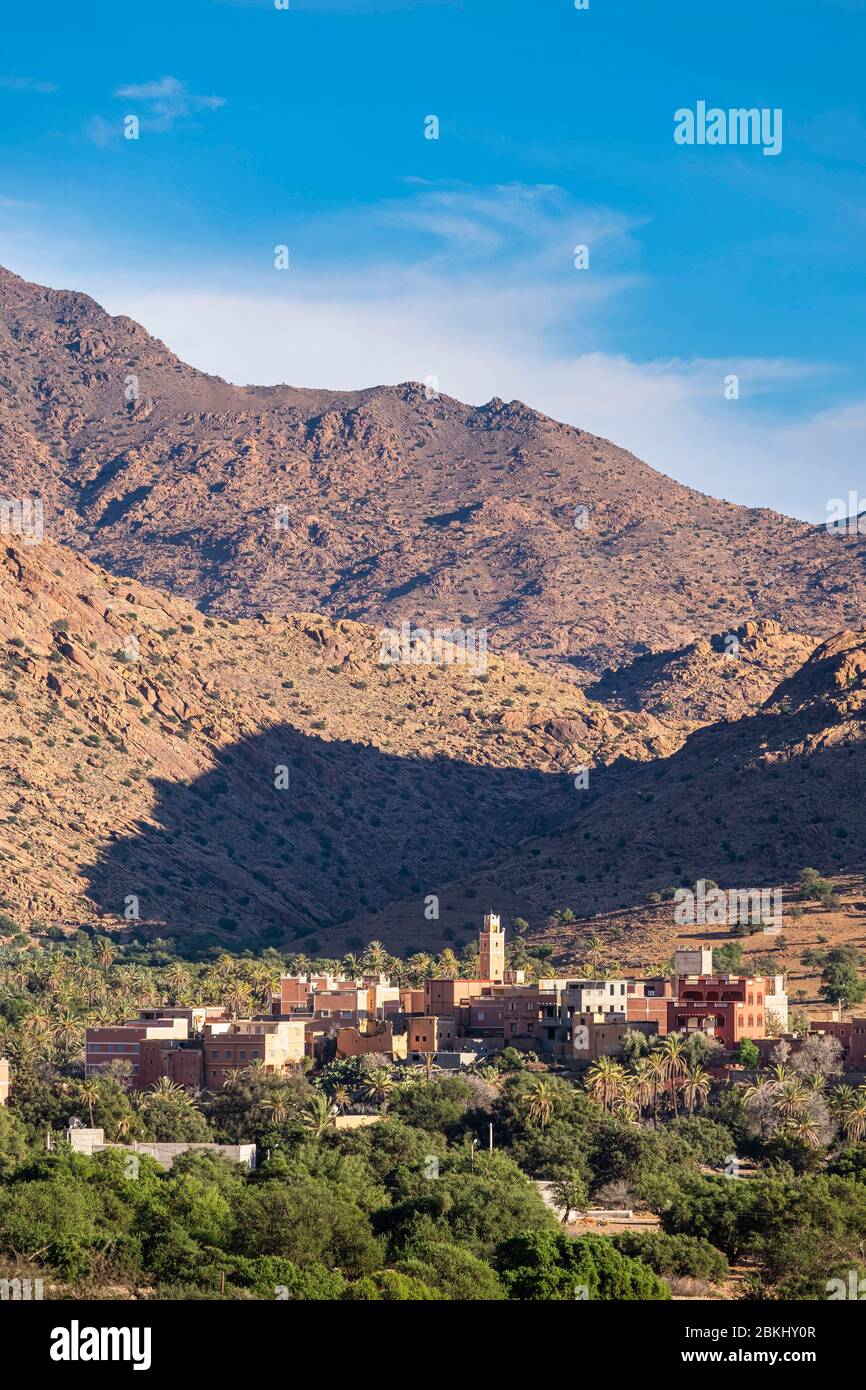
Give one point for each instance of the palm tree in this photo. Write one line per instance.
(350, 966)
(105, 954)
(644, 1085)
(378, 1086)
(791, 1098)
(238, 1001)
(89, 1091)
(657, 1068)
(429, 1062)
(695, 1086)
(177, 979)
(167, 1092)
(419, 967)
(542, 1102)
(448, 965)
(610, 972)
(375, 958)
(470, 961)
(673, 1049)
(758, 1096)
(594, 952)
(281, 1104)
(37, 1021)
(265, 981)
(68, 1030)
(318, 1115)
(604, 1081)
(849, 1106)
(626, 1105)
(804, 1128)
(105, 1016)
(342, 1098)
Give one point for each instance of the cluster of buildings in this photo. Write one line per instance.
(455, 1022)
(452, 1021)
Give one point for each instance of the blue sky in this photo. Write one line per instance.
(455, 257)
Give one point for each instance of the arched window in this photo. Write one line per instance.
(751, 1021)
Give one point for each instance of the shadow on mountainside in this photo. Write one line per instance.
(732, 804)
(291, 833)
(735, 804)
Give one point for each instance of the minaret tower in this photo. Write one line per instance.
(491, 943)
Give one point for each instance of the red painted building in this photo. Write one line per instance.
(727, 1007)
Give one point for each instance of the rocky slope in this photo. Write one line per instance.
(259, 778)
(382, 505)
(722, 677)
(747, 803)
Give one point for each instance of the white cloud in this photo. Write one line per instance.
(491, 306)
(101, 132)
(28, 84)
(672, 414)
(166, 101)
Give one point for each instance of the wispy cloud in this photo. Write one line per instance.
(16, 204)
(167, 101)
(28, 84)
(476, 286)
(101, 132)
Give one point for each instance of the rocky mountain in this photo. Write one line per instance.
(259, 779)
(201, 734)
(384, 506)
(722, 677)
(746, 802)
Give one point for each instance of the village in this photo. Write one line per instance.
(454, 1024)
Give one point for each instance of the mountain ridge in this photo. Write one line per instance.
(385, 506)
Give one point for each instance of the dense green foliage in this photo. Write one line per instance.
(769, 1170)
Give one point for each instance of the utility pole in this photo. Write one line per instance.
(490, 1136)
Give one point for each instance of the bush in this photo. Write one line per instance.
(677, 1255)
(543, 1265)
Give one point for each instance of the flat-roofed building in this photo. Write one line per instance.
(122, 1042)
(601, 1035)
(647, 1001)
(728, 1007)
(432, 1034)
(370, 1038)
(181, 1060)
(276, 1042)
